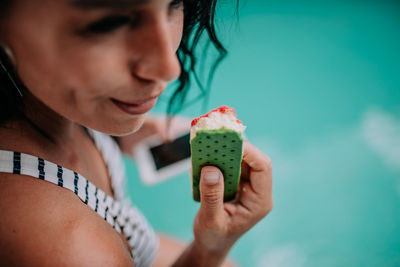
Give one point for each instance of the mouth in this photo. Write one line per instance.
(136, 108)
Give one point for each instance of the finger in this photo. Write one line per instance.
(260, 169)
(159, 125)
(245, 171)
(179, 126)
(211, 192)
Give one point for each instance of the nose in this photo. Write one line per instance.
(157, 59)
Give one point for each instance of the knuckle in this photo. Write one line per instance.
(211, 197)
(268, 207)
(268, 162)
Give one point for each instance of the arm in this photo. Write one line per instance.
(171, 249)
(219, 225)
(45, 225)
(198, 256)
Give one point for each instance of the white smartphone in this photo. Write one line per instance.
(158, 161)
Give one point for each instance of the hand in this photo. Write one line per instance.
(154, 126)
(219, 225)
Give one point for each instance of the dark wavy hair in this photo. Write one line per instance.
(199, 22)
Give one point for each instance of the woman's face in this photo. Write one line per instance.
(100, 63)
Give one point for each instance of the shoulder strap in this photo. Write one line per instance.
(123, 217)
(25, 164)
(113, 159)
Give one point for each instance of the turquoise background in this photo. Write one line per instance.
(318, 85)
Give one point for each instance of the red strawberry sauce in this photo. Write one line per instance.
(221, 109)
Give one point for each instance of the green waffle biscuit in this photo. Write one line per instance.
(222, 148)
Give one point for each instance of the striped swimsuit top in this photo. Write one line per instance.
(124, 217)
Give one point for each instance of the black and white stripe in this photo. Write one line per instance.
(41, 168)
(122, 216)
(76, 179)
(17, 163)
(87, 192)
(59, 175)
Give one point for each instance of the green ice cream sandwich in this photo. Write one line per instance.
(216, 139)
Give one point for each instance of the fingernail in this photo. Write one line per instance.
(211, 178)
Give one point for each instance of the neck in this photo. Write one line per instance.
(53, 127)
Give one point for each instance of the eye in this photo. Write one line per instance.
(176, 3)
(108, 24)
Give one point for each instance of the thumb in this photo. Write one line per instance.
(211, 191)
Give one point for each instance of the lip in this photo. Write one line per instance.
(136, 108)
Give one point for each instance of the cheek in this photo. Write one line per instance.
(55, 65)
(75, 78)
(78, 86)
(58, 72)
(177, 31)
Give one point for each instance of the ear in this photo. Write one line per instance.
(10, 55)
(8, 65)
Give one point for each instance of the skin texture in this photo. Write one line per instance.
(74, 77)
(87, 70)
(219, 225)
(59, 240)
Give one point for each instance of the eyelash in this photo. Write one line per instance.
(112, 23)
(175, 3)
(107, 24)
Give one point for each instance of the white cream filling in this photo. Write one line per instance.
(217, 120)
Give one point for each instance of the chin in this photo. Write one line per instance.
(121, 128)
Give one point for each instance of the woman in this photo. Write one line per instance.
(74, 72)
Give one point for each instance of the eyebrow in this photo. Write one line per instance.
(94, 4)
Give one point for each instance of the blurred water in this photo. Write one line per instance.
(318, 85)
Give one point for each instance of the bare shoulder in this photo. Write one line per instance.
(46, 225)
